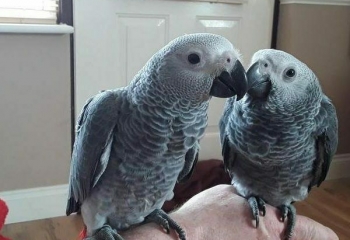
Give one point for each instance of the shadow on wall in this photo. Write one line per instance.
(319, 35)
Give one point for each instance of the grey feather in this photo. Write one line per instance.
(278, 147)
(191, 159)
(92, 146)
(132, 144)
(327, 141)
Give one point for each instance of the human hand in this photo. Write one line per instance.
(219, 213)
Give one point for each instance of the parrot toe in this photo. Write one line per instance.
(284, 212)
(289, 212)
(257, 204)
(160, 217)
(261, 206)
(255, 210)
(157, 218)
(105, 233)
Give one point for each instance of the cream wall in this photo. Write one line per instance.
(34, 110)
(319, 35)
(35, 90)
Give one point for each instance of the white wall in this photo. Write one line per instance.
(115, 38)
(35, 120)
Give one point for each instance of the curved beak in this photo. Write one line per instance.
(230, 84)
(259, 85)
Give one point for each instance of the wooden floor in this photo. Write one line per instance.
(329, 205)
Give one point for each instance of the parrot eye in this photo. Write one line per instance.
(193, 58)
(290, 73)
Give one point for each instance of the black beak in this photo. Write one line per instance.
(259, 85)
(229, 84)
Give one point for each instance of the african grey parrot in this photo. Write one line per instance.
(134, 143)
(279, 140)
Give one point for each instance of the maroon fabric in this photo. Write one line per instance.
(206, 174)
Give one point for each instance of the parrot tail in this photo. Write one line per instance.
(82, 234)
(3, 213)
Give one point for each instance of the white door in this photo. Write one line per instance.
(115, 38)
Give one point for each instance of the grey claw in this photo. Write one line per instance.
(288, 212)
(261, 206)
(105, 233)
(160, 217)
(256, 221)
(255, 210)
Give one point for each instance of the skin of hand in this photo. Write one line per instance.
(219, 213)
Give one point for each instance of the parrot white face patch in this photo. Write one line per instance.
(191, 63)
(290, 78)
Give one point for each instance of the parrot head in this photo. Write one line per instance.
(196, 67)
(278, 76)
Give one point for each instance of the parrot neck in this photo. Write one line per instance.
(279, 105)
(152, 94)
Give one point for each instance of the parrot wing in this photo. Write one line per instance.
(191, 159)
(91, 151)
(228, 153)
(225, 117)
(326, 141)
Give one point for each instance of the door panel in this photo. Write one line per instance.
(115, 38)
(140, 36)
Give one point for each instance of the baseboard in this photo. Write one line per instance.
(318, 2)
(35, 203)
(47, 202)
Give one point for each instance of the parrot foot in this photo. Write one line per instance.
(160, 217)
(290, 213)
(105, 233)
(257, 204)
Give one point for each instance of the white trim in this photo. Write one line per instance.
(47, 202)
(224, 1)
(36, 28)
(217, 1)
(35, 203)
(318, 2)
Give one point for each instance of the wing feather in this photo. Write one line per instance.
(91, 151)
(326, 141)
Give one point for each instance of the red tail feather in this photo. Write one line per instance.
(3, 213)
(82, 234)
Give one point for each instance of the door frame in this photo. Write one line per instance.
(66, 16)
